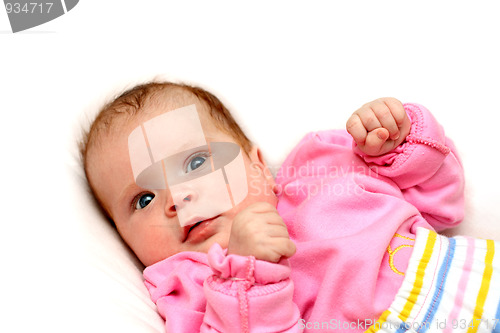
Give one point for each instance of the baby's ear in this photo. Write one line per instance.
(258, 161)
(256, 157)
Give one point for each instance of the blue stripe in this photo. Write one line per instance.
(438, 293)
(496, 322)
(402, 328)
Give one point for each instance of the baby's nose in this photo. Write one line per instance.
(182, 198)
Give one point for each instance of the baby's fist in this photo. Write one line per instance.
(259, 231)
(379, 126)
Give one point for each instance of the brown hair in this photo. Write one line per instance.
(131, 102)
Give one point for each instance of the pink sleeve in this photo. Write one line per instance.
(222, 293)
(248, 295)
(427, 169)
(176, 287)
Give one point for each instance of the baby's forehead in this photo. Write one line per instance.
(151, 111)
(124, 121)
(169, 102)
(172, 124)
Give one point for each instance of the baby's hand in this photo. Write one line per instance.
(259, 231)
(379, 126)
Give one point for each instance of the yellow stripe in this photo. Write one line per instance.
(419, 278)
(485, 286)
(378, 324)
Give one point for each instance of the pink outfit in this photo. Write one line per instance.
(353, 219)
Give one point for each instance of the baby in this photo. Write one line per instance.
(342, 239)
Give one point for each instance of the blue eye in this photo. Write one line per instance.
(144, 200)
(195, 163)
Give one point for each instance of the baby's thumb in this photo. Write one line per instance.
(375, 139)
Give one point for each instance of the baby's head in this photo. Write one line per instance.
(147, 219)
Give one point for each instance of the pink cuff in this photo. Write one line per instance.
(245, 276)
(405, 164)
(235, 267)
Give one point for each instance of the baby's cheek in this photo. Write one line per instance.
(153, 248)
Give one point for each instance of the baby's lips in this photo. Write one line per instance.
(193, 223)
(192, 220)
(186, 230)
(186, 227)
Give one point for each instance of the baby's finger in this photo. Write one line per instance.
(397, 110)
(368, 118)
(290, 249)
(356, 128)
(276, 230)
(375, 140)
(386, 119)
(283, 248)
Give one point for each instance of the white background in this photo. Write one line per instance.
(284, 67)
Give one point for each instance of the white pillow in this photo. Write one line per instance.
(116, 299)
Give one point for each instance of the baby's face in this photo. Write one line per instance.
(147, 219)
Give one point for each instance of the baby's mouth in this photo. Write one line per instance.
(200, 224)
(194, 226)
(188, 228)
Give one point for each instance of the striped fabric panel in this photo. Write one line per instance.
(460, 291)
(439, 291)
(394, 319)
(420, 275)
(451, 285)
(485, 285)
